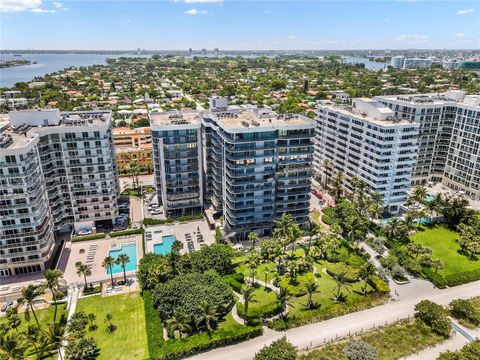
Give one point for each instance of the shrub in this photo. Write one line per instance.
(152, 270)
(83, 348)
(360, 350)
(378, 284)
(151, 221)
(216, 257)
(185, 218)
(236, 281)
(462, 277)
(88, 237)
(327, 220)
(280, 349)
(184, 293)
(153, 324)
(434, 316)
(125, 232)
(463, 309)
(471, 351)
(329, 212)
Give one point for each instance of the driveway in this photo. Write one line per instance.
(315, 335)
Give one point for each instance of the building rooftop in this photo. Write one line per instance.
(252, 118)
(367, 109)
(175, 118)
(27, 124)
(449, 97)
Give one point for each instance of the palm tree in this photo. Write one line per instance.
(415, 248)
(108, 263)
(395, 229)
(313, 230)
(29, 294)
(341, 283)
(283, 298)
(83, 269)
(253, 260)
(13, 346)
(111, 327)
(366, 273)
(296, 234)
(36, 337)
(327, 165)
(247, 292)
(283, 229)
(52, 282)
(123, 260)
(178, 322)
(437, 264)
(419, 194)
(56, 337)
(337, 185)
(207, 316)
(253, 238)
(409, 219)
(311, 288)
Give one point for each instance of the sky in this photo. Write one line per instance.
(239, 25)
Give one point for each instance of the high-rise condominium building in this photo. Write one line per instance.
(449, 137)
(252, 165)
(58, 173)
(365, 141)
(177, 161)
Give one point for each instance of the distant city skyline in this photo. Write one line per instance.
(239, 25)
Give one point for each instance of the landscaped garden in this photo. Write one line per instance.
(129, 339)
(444, 252)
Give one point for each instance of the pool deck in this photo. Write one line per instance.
(72, 254)
(179, 231)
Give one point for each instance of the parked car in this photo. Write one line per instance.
(83, 232)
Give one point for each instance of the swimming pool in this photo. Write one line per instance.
(131, 250)
(166, 246)
(429, 198)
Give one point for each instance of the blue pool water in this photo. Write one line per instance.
(131, 250)
(166, 246)
(429, 198)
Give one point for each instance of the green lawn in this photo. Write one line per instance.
(264, 301)
(325, 292)
(130, 339)
(443, 243)
(391, 342)
(45, 317)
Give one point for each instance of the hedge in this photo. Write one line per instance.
(327, 220)
(151, 221)
(378, 284)
(236, 281)
(88, 237)
(154, 326)
(328, 211)
(451, 280)
(236, 338)
(186, 218)
(125, 232)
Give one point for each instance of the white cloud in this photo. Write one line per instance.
(43, 11)
(411, 39)
(291, 37)
(129, 20)
(200, 1)
(196, 12)
(460, 35)
(19, 5)
(35, 6)
(465, 11)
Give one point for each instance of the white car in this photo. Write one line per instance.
(82, 232)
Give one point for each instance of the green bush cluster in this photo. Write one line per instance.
(184, 293)
(88, 237)
(216, 257)
(434, 316)
(378, 284)
(152, 221)
(125, 232)
(471, 351)
(236, 281)
(185, 218)
(186, 348)
(280, 349)
(154, 326)
(327, 220)
(464, 310)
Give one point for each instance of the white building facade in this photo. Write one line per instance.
(58, 173)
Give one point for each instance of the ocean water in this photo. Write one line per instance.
(49, 63)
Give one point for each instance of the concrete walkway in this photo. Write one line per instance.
(315, 335)
(453, 344)
(74, 293)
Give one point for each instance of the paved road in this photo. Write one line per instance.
(314, 335)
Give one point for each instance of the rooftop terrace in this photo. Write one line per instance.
(175, 118)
